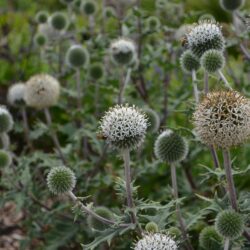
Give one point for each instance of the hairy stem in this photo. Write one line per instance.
(26, 127)
(195, 88)
(206, 85)
(123, 84)
(226, 244)
(224, 79)
(178, 210)
(214, 156)
(92, 213)
(54, 136)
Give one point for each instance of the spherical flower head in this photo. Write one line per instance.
(205, 36)
(231, 5)
(222, 119)
(153, 120)
(109, 12)
(124, 127)
(153, 23)
(88, 7)
(212, 60)
(174, 232)
(123, 51)
(61, 180)
(40, 39)
(170, 147)
(5, 159)
(96, 71)
(42, 16)
(229, 224)
(209, 239)
(77, 56)
(16, 93)
(189, 62)
(59, 21)
(156, 241)
(6, 120)
(42, 91)
(98, 225)
(152, 227)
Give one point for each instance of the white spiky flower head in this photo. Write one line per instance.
(223, 119)
(204, 36)
(124, 127)
(123, 51)
(16, 93)
(157, 241)
(42, 91)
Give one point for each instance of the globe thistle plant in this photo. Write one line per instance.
(6, 120)
(42, 91)
(59, 21)
(223, 119)
(77, 56)
(123, 51)
(231, 5)
(229, 224)
(88, 7)
(170, 147)
(152, 227)
(42, 16)
(124, 127)
(61, 180)
(5, 159)
(209, 239)
(156, 241)
(40, 39)
(97, 224)
(16, 94)
(212, 60)
(204, 36)
(153, 120)
(189, 62)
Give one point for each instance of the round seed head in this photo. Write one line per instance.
(42, 16)
(5, 159)
(231, 5)
(97, 224)
(153, 120)
(89, 7)
(96, 71)
(6, 121)
(16, 93)
(59, 21)
(174, 232)
(123, 51)
(209, 239)
(229, 224)
(152, 227)
(153, 23)
(77, 56)
(42, 91)
(40, 39)
(124, 127)
(223, 119)
(212, 60)
(205, 36)
(156, 241)
(61, 180)
(189, 62)
(170, 147)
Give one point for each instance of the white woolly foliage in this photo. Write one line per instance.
(156, 241)
(16, 93)
(223, 119)
(42, 91)
(124, 127)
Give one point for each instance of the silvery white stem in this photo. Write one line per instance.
(226, 244)
(195, 88)
(223, 78)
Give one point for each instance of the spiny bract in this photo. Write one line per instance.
(123, 51)
(124, 127)
(209, 239)
(223, 119)
(42, 91)
(16, 94)
(156, 241)
(61, 180)
(170, 147)
(229, 224)
(204, 36)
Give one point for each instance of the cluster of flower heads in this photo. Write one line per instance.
(223, 119)
(157, 241)
(124, 127)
